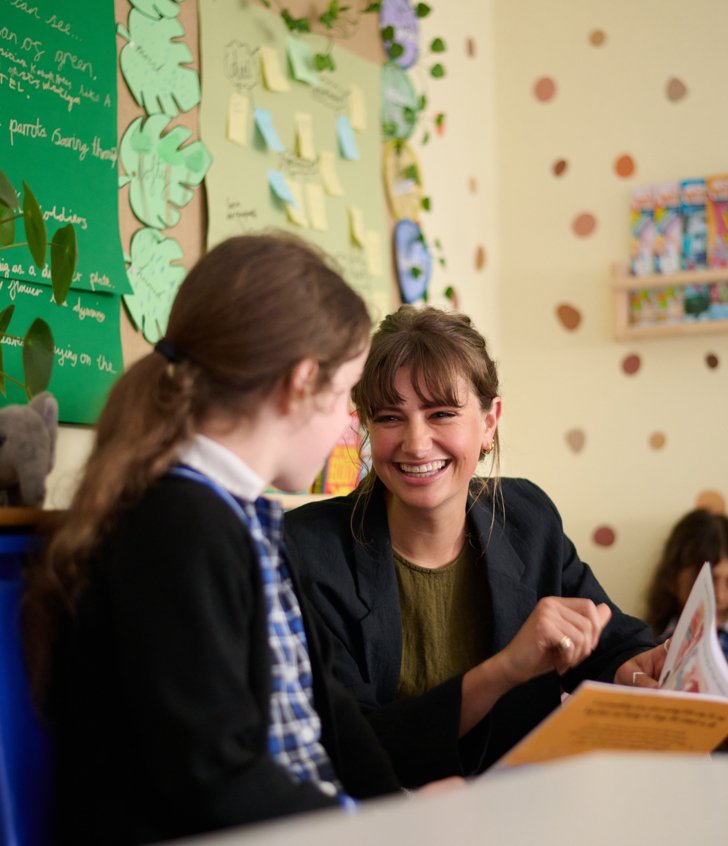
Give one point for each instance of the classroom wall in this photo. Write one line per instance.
(588, 84)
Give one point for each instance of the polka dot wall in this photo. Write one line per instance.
(592, 100)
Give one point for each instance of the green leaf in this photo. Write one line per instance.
(425, 296)
(449, 292)
(437, 243)
(7, 227)
(37, 357)
(422, 103)
(439, 118)
(438, 45)
(425, 139)
(395, 50)
(441, 261)
(35, 228)
(426, 203)
(8, 194)
(422, 10)
(5, 316)
(411, 172)
(438, 71)
(295, 24)
(415, 272)
(388, 33)
(373, 7)
(324, 61)
(266, 3)
(157, 66)
(64, 254)
(389, 129)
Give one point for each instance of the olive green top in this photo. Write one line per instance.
(445, 620)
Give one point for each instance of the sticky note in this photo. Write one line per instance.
(347, 144)
(357, 109)
(304, 136)
(296, 210)
(316, 204)
(300, 55)
(356, 225)
(327, 169)
(264, 122)
(237, 119)
(272, 74)
(373, 250)
(281, 189)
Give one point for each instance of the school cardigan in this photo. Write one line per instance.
(344, 559)
(160, 694)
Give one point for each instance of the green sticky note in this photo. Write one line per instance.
(300, 56)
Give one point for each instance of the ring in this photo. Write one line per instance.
(565, 643)
(634, 677)
(666, 644)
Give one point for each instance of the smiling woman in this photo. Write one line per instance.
(460, 609)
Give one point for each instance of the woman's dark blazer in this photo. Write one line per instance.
(344, 558)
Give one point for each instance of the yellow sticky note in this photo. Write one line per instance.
(304, 136)
(237, 119)
(272, 75)
(316, 204)
(356, 225)
(296, 214)
(373, 250)
(327, 169)
(357, 109)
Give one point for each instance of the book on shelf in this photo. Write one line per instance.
(688, 712)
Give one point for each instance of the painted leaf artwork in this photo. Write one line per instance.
(155, 278)
(156, 67)
(157, 8)
(161, 170)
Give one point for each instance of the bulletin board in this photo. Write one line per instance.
(293, 148)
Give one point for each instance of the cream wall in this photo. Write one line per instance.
(505, 223)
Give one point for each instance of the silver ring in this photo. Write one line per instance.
(565, 643)
(634, 677)
(666, 644)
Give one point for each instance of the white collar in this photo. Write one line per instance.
(222, 466)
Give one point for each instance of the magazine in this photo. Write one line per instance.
(687, 713)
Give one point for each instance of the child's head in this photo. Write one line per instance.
(699, 536)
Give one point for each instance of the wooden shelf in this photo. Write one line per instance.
(623, 282)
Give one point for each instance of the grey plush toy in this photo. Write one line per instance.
(27, 450)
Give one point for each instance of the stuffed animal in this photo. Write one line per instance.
(27, 450)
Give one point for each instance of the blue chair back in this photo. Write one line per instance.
(25, 761)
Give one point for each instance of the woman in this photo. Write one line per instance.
(459, 608)
(187, 687)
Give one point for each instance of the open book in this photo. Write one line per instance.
(687, 713)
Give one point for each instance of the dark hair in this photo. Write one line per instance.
(248, 312)
(438, 347)
(699, 536)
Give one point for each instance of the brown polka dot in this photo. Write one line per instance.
(575, 438)
(675, 90)
(657, 440)
(624, 166)
(473, 185)
(568, 316)
(597, 38)
(544, 89)
(631, 364)
(712, 500)
(584, 224)
(560, 167)
(470, 48)
(479, 258)
(712, 360)
(604, 536)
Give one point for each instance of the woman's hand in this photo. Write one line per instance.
(644, 669)
(559, 634)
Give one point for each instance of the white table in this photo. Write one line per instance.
(604, 799)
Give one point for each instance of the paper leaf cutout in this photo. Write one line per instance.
(157, 8)
(161, 172)
(154, 279)
(154, 65)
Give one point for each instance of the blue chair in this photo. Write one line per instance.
(25, 761)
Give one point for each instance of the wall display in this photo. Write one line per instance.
(304, 144)
(399, 102)
(412, 259)
(403, 180)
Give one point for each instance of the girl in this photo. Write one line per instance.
(186, 684)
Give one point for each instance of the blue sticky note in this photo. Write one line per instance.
(347, 144)
(264, 122)
(277, 182)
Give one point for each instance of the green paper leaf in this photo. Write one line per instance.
(64, 255)
(437, 46)
(438, 71)
(154, 278)
(411, 172)
(5, 316)
(156, 67)
(157, 8)
(373, 7)
(426, 203)
(449, 292)
(8, 194)
(395, 50)
(162, 170)
(422, 10)
(37, 357)
(7, 228)
(35, 228)
(425, 139)
(295, 24)
(439, 118)
(422, 102)
(387, 33)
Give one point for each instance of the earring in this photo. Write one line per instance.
(487, 450)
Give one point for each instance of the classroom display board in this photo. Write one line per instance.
(58, 134)
(293, 147)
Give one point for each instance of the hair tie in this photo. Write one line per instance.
(167, 350)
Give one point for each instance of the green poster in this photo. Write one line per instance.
(88, 356)
(58, 129)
